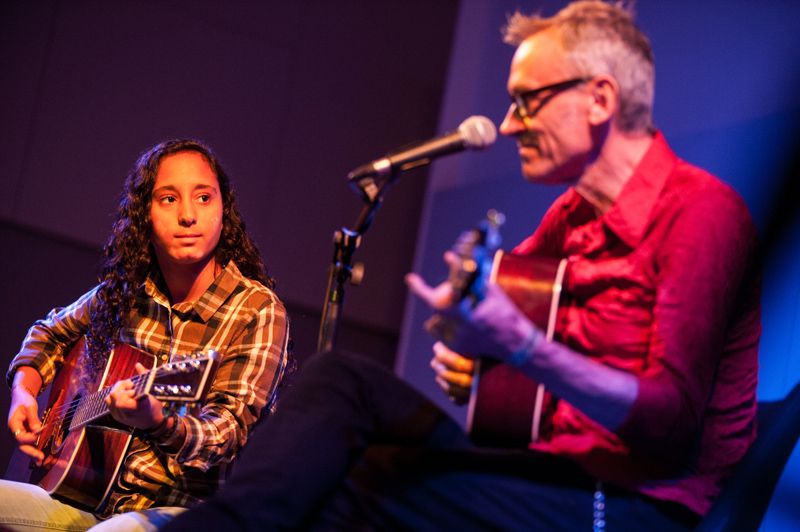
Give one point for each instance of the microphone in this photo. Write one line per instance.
(474, 133)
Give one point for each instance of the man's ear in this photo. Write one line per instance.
(605, 100)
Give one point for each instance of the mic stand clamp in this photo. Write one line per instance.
(342, 270)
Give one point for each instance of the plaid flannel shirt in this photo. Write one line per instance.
(238, 317)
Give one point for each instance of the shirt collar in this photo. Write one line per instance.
(629, 215)
(208, 303)
(153, 287)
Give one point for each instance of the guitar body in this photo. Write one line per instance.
(84, 447)
(507, 407)
(81, 465)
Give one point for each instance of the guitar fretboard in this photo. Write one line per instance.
(93, 406)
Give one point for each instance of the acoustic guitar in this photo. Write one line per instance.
(506, 407)
(83, 445)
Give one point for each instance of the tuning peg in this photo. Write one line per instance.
(496, 218)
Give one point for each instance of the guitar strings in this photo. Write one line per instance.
(93, 400)
(97, 399)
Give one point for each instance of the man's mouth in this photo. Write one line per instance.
(528, 149)
(527, 141)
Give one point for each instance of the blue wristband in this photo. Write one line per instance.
(522, 356)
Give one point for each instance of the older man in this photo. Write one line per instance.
(651, 369)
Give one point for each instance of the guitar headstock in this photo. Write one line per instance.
(475, 249)
(185, 379)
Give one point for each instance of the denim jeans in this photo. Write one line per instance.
(27, 507)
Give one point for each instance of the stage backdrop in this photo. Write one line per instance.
(726, 99)
(294, 94)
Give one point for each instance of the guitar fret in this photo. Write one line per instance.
(90, 408)
(100, 403)
(90, 405)
(76, 414)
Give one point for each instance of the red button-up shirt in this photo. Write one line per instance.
(662, 285)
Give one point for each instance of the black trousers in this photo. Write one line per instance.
(352, 447)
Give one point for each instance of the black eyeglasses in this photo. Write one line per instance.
(522, 101)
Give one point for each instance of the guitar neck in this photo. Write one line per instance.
(182, 381)
(93, 406)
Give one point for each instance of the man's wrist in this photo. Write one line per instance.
(523, 355)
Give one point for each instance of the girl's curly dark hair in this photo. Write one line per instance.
(128, 255)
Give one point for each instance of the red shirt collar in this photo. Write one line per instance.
(629, 215)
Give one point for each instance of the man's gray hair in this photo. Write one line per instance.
(601, 38)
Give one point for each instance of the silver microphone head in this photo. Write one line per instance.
(478, 132)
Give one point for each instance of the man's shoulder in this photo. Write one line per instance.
(698, 198)
(693, 184)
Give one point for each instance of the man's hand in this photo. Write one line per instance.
(453, 373)
(23, 422)
(494, 327)
(142, 412)
(441, 297)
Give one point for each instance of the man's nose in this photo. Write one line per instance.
(512, 123)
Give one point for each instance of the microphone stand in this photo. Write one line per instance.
(342, 270)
